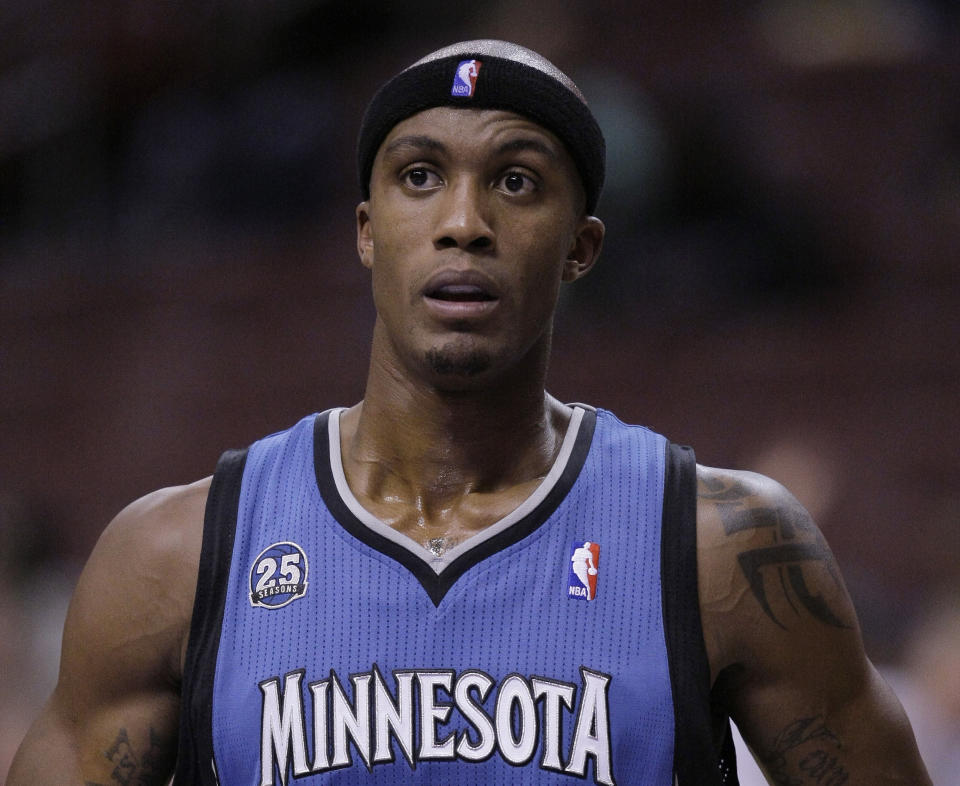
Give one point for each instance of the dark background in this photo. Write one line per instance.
(779, 287)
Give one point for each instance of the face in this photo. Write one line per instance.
(475, 218)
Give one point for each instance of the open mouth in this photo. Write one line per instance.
(460, 293)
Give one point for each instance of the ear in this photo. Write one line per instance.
(585, 248)
(364, 235)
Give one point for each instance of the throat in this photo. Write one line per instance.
(439, 530)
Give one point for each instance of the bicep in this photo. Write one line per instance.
(48, 754)
(802, 691)
(115, 742)
(802, 734)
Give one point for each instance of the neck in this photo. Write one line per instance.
(422, 445)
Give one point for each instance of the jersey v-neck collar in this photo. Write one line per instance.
(438, 574)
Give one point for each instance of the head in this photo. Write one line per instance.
(480, 167)
(508, 77)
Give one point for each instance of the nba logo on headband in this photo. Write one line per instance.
(465, 79)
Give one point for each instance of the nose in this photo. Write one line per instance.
(463, 221)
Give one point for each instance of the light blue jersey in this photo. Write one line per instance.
(328, 648)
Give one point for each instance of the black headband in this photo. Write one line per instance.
(489, 83)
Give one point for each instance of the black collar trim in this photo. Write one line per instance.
(436, 584)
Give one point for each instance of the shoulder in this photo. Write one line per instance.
(764, 567)
(739, 511)
(164, 528)
(747, 506)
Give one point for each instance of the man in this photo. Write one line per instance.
(454, 643)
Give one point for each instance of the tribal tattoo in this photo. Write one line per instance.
(807, 753)
(786, 556)
(129, 769)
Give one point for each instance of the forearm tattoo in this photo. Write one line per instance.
(807, 753)
(795, 544)
(131, 769)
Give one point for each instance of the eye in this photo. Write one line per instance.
(420, 177)
(515, 182)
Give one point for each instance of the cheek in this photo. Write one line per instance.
(546, 251)
(388, 287)
(394, 277)
(399, 240)
(540, 288)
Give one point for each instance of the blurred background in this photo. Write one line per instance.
(779, 287)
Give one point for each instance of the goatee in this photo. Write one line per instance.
(448, 361)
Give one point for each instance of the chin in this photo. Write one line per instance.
(452, 363)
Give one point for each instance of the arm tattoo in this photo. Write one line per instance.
(807, 752)
(785, 557)
(131, 770)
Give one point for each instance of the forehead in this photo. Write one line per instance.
(474, 131)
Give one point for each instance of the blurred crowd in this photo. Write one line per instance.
(778, 288)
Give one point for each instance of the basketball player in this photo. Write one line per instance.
(582, 566)
(458, 647)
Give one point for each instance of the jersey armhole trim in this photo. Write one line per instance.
(696, 760)
(195, 757)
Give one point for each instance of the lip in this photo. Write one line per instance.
(460, 294)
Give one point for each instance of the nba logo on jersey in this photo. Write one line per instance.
(582, 576)
(465, 79)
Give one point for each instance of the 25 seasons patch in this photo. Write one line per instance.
(278, 576)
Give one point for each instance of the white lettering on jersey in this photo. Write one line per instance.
(592, 735)
(475, 716)
(354, 721)
(319, 692)
(391, 718)
(525, 712)
(282, 728)
(514, 692)
(552, 694)
(432, 713)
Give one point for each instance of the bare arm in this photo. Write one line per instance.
(784, 643)
(113, 716)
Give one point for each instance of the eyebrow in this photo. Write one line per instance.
(428, 143)
(525, 143)
(415, 142)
